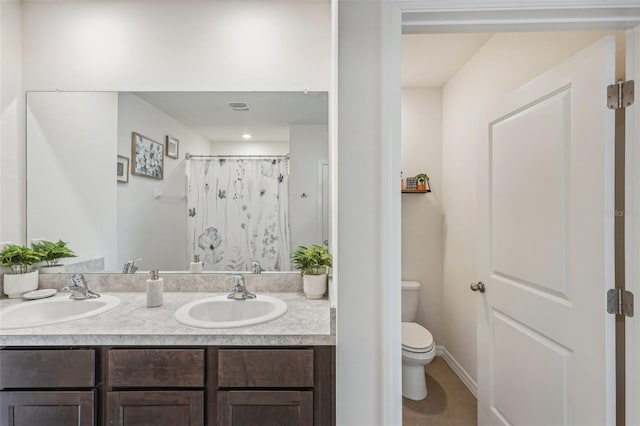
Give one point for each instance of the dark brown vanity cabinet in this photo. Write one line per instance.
(155, 408)
(48, 387)
(47, 408)
(167, 386)
(149, 387)
(267, 408)
(272, 387)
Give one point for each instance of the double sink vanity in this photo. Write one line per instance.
(199, 359)
(206, 201)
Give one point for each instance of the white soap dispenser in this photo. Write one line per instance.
(155, 290)
(196, 265)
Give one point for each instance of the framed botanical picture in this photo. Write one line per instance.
(122, 169)
(147, 157)
(173, 145)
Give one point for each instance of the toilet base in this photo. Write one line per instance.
(414, 383)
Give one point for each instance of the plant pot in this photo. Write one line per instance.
(422, 187)
(314, 286)
(15, 285)
(57, 269)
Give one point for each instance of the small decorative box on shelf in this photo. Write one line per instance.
(411, 184)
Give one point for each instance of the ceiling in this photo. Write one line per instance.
(268, 120)
(430, 60)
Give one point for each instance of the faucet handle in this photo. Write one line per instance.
(238, 281)
(79, 280)
(130, 266)
(239, 290)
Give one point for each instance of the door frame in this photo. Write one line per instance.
(443, 16)
(632, 234)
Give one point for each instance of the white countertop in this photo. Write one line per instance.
(306, 322)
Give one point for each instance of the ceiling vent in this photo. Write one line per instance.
(238, 106)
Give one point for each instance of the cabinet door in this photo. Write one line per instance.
(52, 408)
(265, 408)
(155, 408)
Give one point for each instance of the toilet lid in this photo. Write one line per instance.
(416, 337)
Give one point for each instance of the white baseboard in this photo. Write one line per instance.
(457, 368)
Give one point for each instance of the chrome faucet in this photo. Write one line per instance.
(239, 290)
(130, 266)
(256, 267)
(79, 289)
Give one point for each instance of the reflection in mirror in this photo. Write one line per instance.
(164, 177)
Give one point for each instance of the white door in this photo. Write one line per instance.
(545, 341)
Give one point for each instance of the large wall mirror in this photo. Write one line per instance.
(230, 177)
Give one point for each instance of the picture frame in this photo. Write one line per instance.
(122, 169)
(172, 147)
(147, 157)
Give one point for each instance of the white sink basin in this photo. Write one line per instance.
(54, 310)
(220, 312)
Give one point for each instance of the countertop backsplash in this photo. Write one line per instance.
(204, 282)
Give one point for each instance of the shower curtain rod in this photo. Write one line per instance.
(188, 156)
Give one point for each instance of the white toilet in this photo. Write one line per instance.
(418, 347)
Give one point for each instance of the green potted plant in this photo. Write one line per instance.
(50, 253)
(19, 260)
(422, 180)
(313, 262)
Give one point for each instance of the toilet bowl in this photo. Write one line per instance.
(418, 350)
(418, 347)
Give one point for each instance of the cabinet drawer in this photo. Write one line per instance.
(155, 368)
(47, 368)
(265, 368)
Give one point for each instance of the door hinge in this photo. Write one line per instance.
(620, 95)
(620, 302)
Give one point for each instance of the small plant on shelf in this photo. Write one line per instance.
(51, 252)
(422, 180)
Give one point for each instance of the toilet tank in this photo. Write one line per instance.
(410, 297)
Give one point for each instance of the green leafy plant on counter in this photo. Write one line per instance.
(18, 258)
(51, 252)
(312, 260)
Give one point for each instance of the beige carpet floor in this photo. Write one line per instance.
(449, 402)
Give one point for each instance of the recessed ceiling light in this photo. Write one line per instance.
(238, 106)
(246, 136)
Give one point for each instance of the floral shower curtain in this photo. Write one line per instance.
(238, 213)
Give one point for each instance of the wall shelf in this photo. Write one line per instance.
(415, 191)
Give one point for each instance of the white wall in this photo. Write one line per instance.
(159, 45)
(368, 226)
(152, 214)
(422, 224)
(503, 64)
(71, 170)
(12, 124)
(308, 144)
